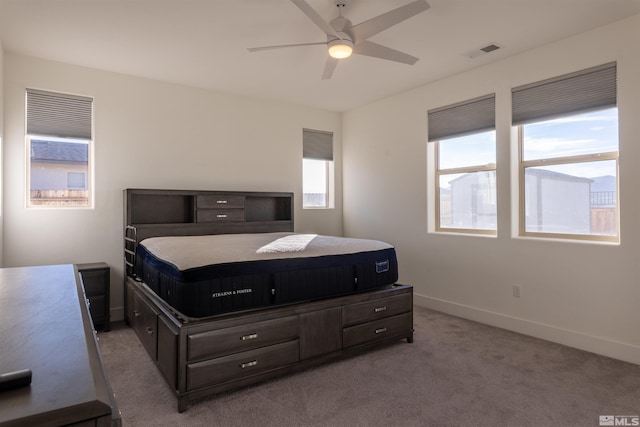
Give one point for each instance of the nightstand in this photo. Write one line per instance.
(95, 277)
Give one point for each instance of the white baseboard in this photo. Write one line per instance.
(615, 349)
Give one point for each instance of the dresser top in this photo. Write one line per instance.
(43, 328)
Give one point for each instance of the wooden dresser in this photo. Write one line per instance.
(45, 326)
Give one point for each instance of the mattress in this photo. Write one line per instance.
(202, 276)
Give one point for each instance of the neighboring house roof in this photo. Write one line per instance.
(555, 175)
(471, 176)
(59, 152)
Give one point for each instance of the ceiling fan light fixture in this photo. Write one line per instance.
(340, 49)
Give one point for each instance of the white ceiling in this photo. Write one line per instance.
(203, 43)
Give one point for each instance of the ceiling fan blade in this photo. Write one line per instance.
(329, 67)
(376, 50)
(373, 26)
(257, 49)
(317, 19)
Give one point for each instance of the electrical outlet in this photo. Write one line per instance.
(516, 291)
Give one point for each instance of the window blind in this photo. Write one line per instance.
(589, 89)
(317, 144)
(57, 114)
(463, 118)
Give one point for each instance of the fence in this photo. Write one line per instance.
(603, 198)
(59, 198)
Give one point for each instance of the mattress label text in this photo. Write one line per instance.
(230, 293)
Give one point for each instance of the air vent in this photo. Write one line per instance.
(490, 48)
(483, 50)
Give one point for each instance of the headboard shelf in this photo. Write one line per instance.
(268, 208)
(160, 208)
(189, 211)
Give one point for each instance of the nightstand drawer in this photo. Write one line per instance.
(96, 307)
(241, 338)
(377, 309)
(236, 366)
(93, 281)
(219, 202)
(377, 330)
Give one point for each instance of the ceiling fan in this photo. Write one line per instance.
(344, 38)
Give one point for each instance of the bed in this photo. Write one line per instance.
(201, 276)
(222, 293)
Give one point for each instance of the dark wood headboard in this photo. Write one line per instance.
(153, 213)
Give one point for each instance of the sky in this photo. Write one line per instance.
(580, 134)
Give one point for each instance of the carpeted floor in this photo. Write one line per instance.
(456, 373)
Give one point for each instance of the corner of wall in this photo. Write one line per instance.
(1, 150)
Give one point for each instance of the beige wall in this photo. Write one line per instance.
(2, 179)
(580, 294)
(150, 134)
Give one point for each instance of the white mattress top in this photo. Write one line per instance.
(186, 252)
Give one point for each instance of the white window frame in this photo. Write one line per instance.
(330, 198)
(318, 146)
(555, 161)
(88, 179)
(567, 95)
(452, 171)
(466, 118)
(59, 117)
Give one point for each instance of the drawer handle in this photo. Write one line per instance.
(136, 313)
(249, 364)
(379, 309)
(221, 216)
(381, 330)
(149, 330)
(249, 337)
(221, 202)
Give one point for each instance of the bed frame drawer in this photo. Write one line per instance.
(235, 366)
(219, 215)
(373, 310)
(219, 201)
(241, 338)
(377, 330)
(145, 323)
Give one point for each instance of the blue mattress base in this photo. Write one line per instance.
(221, 288)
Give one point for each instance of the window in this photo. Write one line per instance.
(465, 172)
(76, 180)
(317, 169)
(59, 144)
(466, 178)
(568, 156)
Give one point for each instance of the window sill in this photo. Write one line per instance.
(577, 240)
(464, 233)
